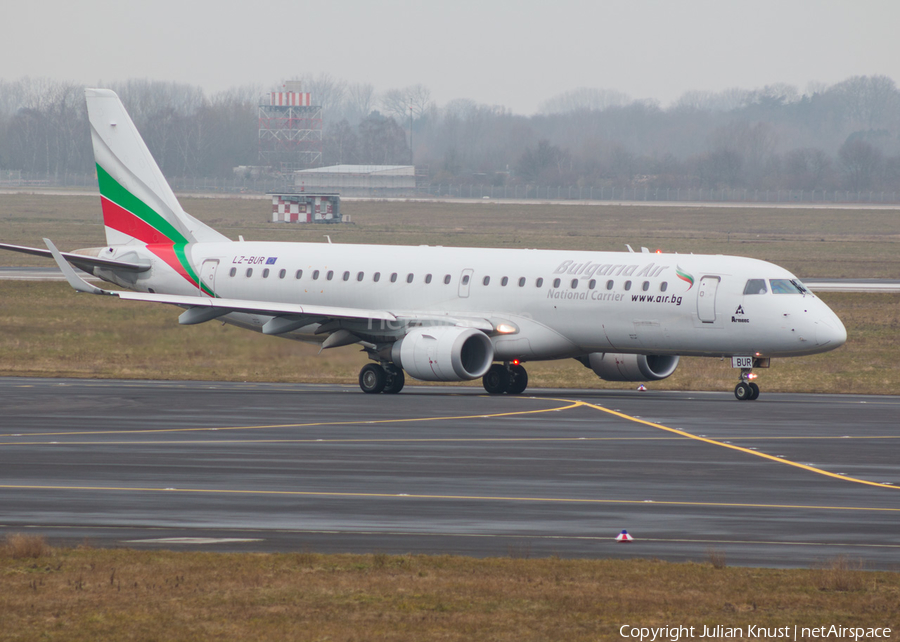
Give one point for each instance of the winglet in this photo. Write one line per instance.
(69, 272)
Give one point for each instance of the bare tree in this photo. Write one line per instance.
(868, 100)
(775, 95)
(806, 169)
(382, 141)
(341, 144)
(419, 97)
(327, 91)
(401, 103)
(584, 99)
(861, 162)
(700, 100)
(360, 101)
(754, 143)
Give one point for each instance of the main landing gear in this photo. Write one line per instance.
(746, 390)
(512, 379)
(375, 378)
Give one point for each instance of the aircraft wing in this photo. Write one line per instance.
(268, 308)
(86, 263)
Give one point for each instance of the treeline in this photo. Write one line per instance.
(842, 136)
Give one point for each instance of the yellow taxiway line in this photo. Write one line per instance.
(748, 451)
(356, 422)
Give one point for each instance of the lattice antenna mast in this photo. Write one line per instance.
(290, 129)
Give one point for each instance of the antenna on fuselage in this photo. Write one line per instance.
(328, 237)
(629, 248)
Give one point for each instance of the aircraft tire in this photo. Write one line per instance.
(372, 379)
(743, 391)
(496, 381)
(518, 381)
(754, 391)
(395, 381)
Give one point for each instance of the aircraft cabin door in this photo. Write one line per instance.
(208, 275)
(706, 299)
(465, 280)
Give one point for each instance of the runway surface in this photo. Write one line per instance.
(788, 480)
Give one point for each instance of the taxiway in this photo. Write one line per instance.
(789, 480)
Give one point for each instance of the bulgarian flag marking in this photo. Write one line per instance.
(684, 276)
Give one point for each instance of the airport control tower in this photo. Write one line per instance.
(290, 129)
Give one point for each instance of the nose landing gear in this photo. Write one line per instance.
(746, 390)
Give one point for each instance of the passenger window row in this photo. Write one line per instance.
(329, 275)
(610, 284)
(410, 277)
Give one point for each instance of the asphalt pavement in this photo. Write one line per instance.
(789, 480)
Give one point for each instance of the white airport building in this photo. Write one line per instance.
(358, 180)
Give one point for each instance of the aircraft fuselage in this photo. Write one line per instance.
(559, 303)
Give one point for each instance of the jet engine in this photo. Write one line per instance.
(630, 367)
(444, 353)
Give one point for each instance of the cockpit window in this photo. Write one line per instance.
(755, 286)
(787, 286)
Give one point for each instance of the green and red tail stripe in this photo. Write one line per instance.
(126, 213)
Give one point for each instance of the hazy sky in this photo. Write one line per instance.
(511, 53)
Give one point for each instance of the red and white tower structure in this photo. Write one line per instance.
(290, 129)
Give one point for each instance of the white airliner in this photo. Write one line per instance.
(440, 313)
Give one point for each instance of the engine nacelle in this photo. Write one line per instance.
(630, 367)
(444, 353)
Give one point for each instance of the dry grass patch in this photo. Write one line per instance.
(840, 573)
(716, 557)
(20, 546)
(159, 595)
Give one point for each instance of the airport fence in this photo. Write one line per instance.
(657, 194)
(527, 192)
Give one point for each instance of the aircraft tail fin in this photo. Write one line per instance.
(138, 204)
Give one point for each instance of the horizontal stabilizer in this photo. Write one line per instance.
(82, 262)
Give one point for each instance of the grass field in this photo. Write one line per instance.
(86, 594)
(48, 330)
(809, 242)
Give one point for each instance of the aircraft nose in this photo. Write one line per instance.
(830, 332)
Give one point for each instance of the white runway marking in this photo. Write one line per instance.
(191, 540)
